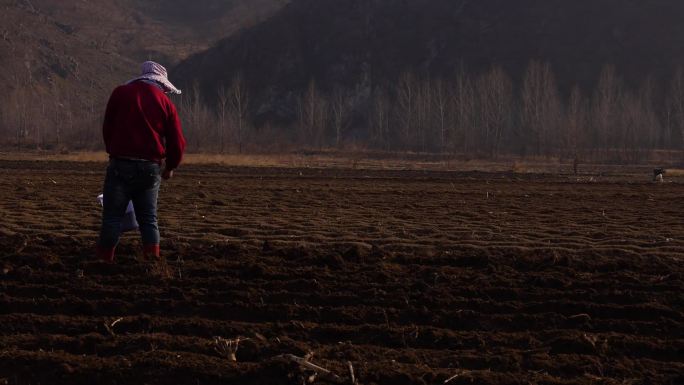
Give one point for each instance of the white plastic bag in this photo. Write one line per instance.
(128, 222)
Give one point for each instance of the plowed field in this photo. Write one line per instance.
(412, 277)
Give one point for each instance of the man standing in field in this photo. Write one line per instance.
(141, 128)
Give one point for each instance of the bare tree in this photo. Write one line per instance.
(652, 128)
(676, 104)
(407, 91)
(3, 121)
(463, 108)
(222, 116)
(441, 102)
(424, 117)
(57, 108)
(630, 119)
(637, 124)
(239, 102)
(495, 102)
(605, 109)
(20, 107)
(195, 117)
(312, 115)
(339, 108)
(379, 119)
(541, 108)
(575, 123)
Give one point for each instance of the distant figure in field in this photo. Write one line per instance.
(141, 128)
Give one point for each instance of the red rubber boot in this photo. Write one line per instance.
(151, 251)
(105, 254)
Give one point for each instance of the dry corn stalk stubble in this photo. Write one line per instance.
(228, 348)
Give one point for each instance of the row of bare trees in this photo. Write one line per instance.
(50, 118)
(488, 115)
(222, 128)
(485, 114)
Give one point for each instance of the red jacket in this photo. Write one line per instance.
(141, 122)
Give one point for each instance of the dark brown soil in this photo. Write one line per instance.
(413, 277)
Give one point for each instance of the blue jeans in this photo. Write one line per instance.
(130, 180)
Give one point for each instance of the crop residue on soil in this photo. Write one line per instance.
(413, 277)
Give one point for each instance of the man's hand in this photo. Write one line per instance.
(167, 174)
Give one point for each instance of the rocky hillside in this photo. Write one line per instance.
(61, 59)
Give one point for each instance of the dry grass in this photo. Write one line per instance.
(672, 172)
(356, 160)
(363, 160)
(229, 160)
(52, 156)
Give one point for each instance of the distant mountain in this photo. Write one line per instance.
(60, 61)
(359, 44)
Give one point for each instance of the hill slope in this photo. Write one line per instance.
(61, 60)
(358, 44)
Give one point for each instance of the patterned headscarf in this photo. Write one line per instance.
(157, 73)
